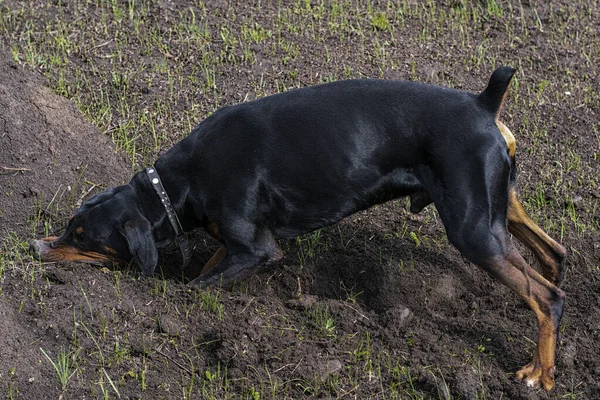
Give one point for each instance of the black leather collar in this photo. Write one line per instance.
(182, 241)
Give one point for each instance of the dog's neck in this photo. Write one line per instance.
(162, 194)
(154, 210)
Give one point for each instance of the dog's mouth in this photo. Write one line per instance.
(49, 249)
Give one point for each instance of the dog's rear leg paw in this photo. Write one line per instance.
(534, 376)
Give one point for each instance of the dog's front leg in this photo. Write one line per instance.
(214, 260)
(237, 259)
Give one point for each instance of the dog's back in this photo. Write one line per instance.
(306, 158)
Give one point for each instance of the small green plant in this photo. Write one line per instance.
(62, 366)
(415, 238)
(160, 287)
(363, 351)
(380, 21)
(12, 391)
(210, 301)
(310, 245)
(323, 320)
(350, 293)
(105, 391)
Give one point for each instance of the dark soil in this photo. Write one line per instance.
(408, 311)
(50, 157)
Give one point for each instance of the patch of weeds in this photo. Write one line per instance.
(380, 21)
(573, 391)
(214, 384)
(310, 388)
(63, 366)
(210, 301)
(362, 353)
(402, 383)
(8, 255)
(351, 294)
(310, 245)
(15, 260)
(119, 355)
(111, 385)
(160, 287)
(474, 360)
(323, 321)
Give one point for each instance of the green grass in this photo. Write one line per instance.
(63, 367)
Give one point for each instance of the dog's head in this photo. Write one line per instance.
(107, 229)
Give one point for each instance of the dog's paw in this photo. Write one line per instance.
(534, 376)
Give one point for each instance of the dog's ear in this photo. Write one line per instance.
(141, 244)
(103, 196)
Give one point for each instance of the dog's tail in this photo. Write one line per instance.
(493, 96)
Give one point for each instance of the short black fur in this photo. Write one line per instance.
(290, 163)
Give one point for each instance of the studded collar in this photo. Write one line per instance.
(182, 241)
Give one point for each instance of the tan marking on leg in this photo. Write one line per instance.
(214, 260)
(549, 253)
(546, 301)
(213, 230)
(511, 143)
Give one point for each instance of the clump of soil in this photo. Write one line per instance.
(47, 150)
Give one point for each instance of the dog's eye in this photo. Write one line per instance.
(78, 235)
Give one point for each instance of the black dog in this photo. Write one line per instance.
(294, 162)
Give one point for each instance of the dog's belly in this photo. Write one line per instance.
(300, 213)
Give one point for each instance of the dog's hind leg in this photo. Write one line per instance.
(546, 300)
(494, 253)
(483, 238)
(549, 253)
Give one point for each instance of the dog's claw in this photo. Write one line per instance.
(534, 376)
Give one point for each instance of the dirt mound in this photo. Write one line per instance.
(48, 152)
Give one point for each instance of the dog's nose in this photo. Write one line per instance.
(40, 248)
(35, 247)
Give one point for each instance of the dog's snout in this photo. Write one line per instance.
(35, 248)
(40, 247)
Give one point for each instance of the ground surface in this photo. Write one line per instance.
(378, 306)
